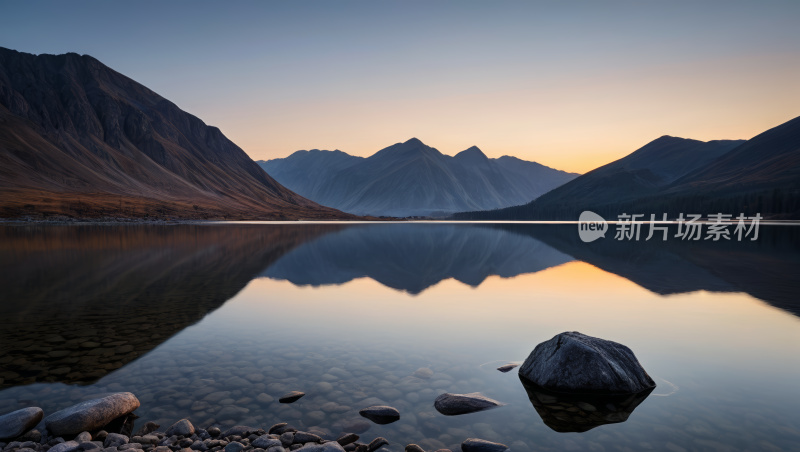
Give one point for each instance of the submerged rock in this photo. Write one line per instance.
(507, 367)
(423, 372)
(414, 448)
(575, 362)
(355, 426)
(455, 404)
(481, 445)
(381, 415)
(290, 397)
(577, 412)
(91, 415)
(18, 422)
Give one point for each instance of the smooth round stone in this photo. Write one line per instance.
(380, 415)
(481, 445)
(234, 446)
(181, 428)
(91, 415)
(291, 397)
(323, 387)
(414, 448)
(83, 437)
(376, 444)
(115, 440)
(356, 426)
(67, 446)
(18, 422)
(455, 404)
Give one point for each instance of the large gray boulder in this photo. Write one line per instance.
(18, 422)
(91, 415)
(455, 404)
(575, 362)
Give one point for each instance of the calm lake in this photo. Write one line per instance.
(214, 322)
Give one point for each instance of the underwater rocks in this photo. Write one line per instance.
(565, 412)
(381, 415)
(575, 362)
(456, 404)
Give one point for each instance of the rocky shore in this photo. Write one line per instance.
(106, 425)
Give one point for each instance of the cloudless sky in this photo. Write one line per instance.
(570, 84)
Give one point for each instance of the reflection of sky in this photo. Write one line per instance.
(710, 339)
(571, 85)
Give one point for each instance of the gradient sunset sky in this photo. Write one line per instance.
(571, 84)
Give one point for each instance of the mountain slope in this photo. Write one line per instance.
(80, 139)
(766, 161)
(674, 175)
(410, 179)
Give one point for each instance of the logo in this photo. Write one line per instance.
(591, 226)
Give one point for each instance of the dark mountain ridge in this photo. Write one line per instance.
(674, 175)
(412, 179)
(78, 138)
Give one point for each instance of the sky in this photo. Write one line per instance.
(569, 84)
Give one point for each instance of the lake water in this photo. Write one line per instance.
(214, 322)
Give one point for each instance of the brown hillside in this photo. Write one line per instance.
(79, 139)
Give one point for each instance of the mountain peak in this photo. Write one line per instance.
(472, 156)
(415, 141)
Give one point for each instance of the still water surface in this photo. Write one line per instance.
(215, 322)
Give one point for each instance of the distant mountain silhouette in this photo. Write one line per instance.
(412, 258)
(676, 175)
(79, 139)
(412, 179)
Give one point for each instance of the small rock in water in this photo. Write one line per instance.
(376, 444)
(481, 445)
(381, 415)
(347, 438)
(290, 397)
(274, 428)
(423, 372)
(214, 432)
(115, 440)
(414, 448)
(455, 404)
(83, 437)
(507, 367)
(265, 442)
(181, 428)
(18, 422)
(575, 362)
(147, 429)
(305, 437)
(287, 439)
(238, 430)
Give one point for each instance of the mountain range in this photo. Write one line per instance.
(413, 179)
(675, 175)
(80, 139)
